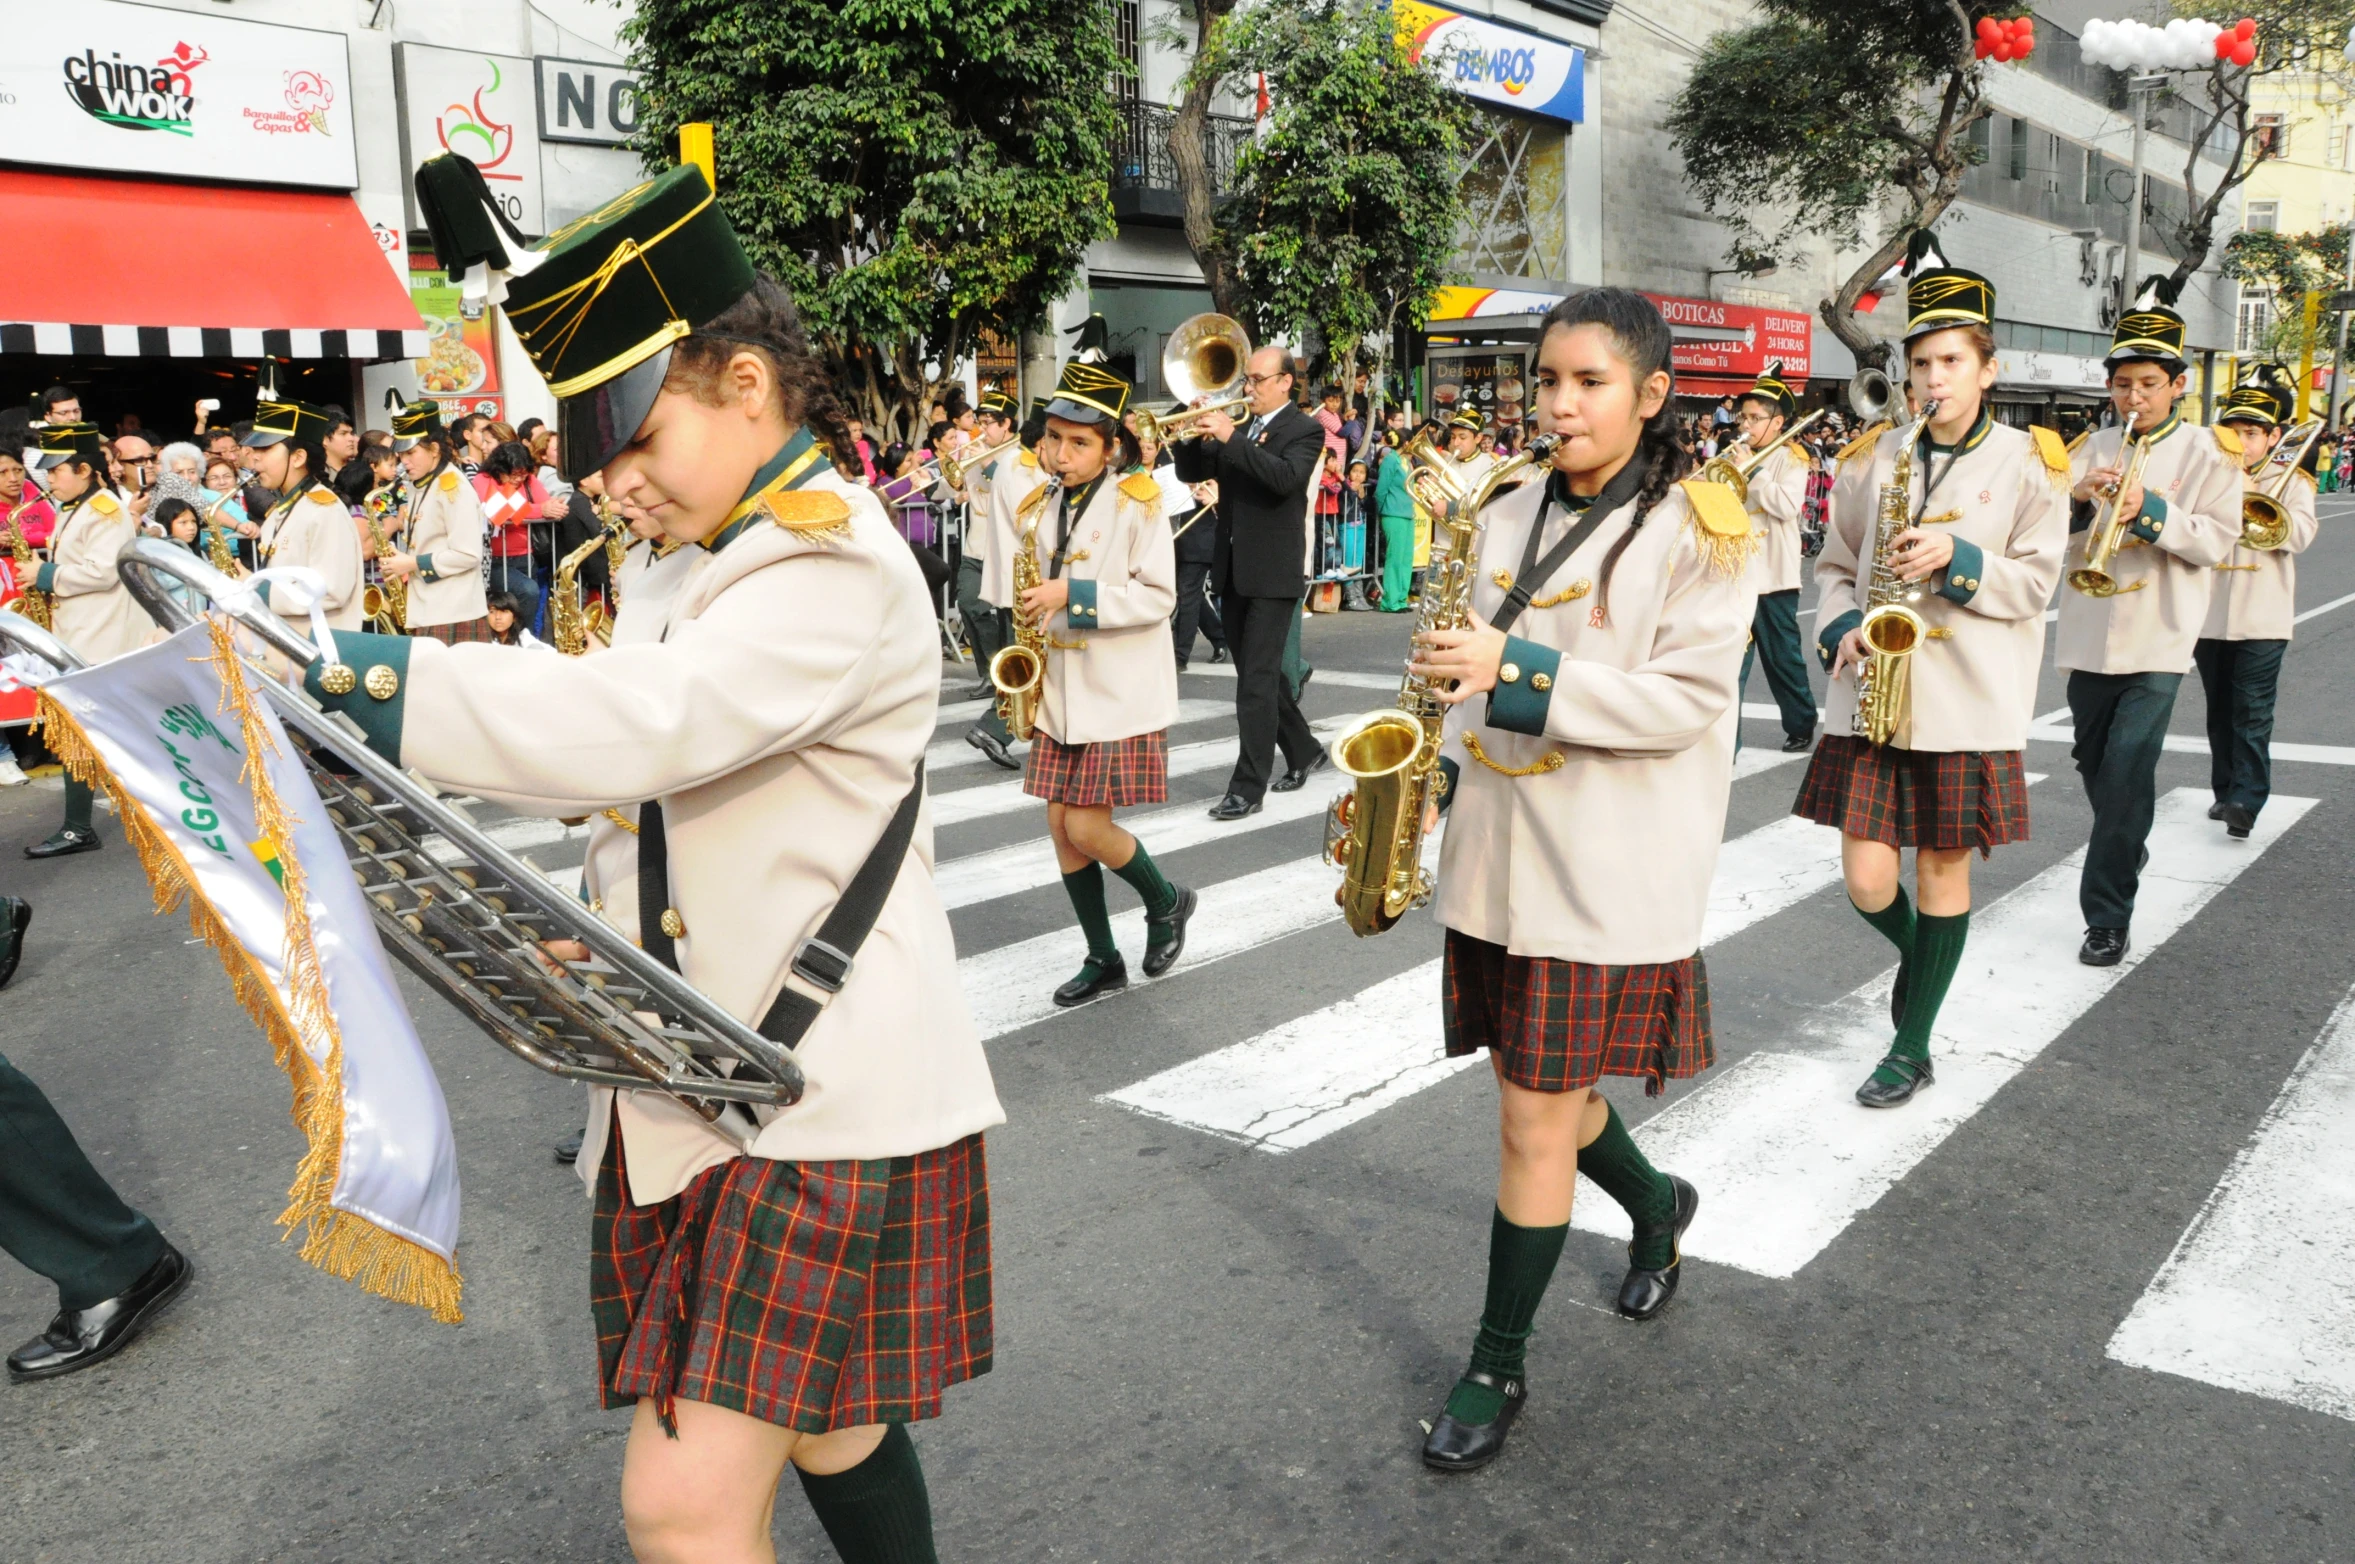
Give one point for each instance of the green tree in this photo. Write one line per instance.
(915, 171)
(1189, 154)
(1829, 118)
(1345, 210)
(2284, 267)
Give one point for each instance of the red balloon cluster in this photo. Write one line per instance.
(1997, 39)
(2238, 43)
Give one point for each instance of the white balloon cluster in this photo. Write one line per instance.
(2182, 45)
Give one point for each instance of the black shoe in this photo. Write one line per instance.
(2238, 822)
(1466, 1447)
(989, 744)
(78, 1338)
(1295, 779)
(568, 1150)
(1093, 982)
(2216, 810)
(1159, 958)
(69, 839)
(1234, 807)
(1917, 1073)
(1218, 654)
(16, 915)
(2103, 947)
(1645, 1293)
(984, 691)
(1799, 743)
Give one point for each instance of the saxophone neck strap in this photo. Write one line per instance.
(1537, 570)
(824, 959)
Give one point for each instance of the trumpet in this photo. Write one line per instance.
(2108, 532)
(2265, 519)
(1736, 474)
(1161, 428)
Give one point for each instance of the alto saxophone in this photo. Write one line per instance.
(1019, 671)
(33, 605)
(568, 620)
(387, 599)
(1892, 627)
(1374, 833)
(218, 548)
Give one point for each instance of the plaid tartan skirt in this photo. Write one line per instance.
(1559, 1026)
(478, 629)
(1117, 772)
(1916, 798)
(812, 1295)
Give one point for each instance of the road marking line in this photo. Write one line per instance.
(2044, 732)
(954, 754)
(2320, 609)
(2255, 1296)
(1783, 1155)
(1330, 677)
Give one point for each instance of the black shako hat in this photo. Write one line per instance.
(1773, 390)
(1939, 295)
(2266, 395)
(2151, 330)
(62, 443)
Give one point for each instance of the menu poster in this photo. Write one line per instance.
(1491, 381)
(460, 369)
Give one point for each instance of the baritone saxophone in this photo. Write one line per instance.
(1374, 832)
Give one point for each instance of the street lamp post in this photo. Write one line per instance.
(2138, 91)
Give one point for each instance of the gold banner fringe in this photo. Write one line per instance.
(341, 1243)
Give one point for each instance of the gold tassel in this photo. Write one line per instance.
(1726, 557)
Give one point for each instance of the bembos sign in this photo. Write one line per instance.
(103, 85)
(1716, 341)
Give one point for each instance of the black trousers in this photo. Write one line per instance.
(1266, 713)
(1774, 641)
(2121, 722)
(58, 1215)
(1194, 612)
(989, 629)
(2240, 678)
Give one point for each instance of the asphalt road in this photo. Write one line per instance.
(1212, 1350)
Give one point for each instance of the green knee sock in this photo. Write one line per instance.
(878, 1512)
(1895, 923)
(78, 802)
(1619, 1169)
(1520, 1263)
(1085, 887)
(1937, 952)
(1144, 876)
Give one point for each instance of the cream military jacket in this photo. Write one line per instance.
(92, 611)
(2191, 517)
(1776, 500)
(1111, 670)
(314, 529)
(2005, 502)
(1606, 857)
(444, 523)
(2255, 596)
(776, 697)
(1012, 479)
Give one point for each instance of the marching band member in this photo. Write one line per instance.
(91, 610)
(440, 552)
(1600, 759)
(1986, 527)
(989, 535)
(767, 716)
(309, 525)
(1107, 581)
(2251, 610)
(1463, 447)
(1776, 498)
(2126, 654)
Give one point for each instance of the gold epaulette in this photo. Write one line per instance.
(2228, 439)
(1141, 487)
(1030, 458)
(1721, 525)
(807, 510)
(1034, 500)
(1863, 442)
(449, 480)
(104, 502)
(2055, 455)
(318, 496)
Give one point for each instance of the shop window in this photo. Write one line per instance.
(2254, 328)
(2262, 217)
(1516, 200)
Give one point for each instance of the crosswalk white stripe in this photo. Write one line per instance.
(2056, 730)
(1783, 1155)
(954, 754)
(1299, 1082)
(2255, 1296)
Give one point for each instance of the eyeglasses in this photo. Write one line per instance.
(1261, 380)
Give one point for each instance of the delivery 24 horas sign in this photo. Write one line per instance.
(101, 85)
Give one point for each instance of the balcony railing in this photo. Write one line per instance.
(1144, 175)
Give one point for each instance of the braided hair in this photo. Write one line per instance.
(765, 321)
(1641, 340)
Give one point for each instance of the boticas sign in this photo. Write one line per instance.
(102, 85)
(1717, 343)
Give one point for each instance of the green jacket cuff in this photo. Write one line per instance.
(1082, 607)
(2152, 521)
(425, 568)
(380, 718)
(45, 579)
(1828, 639)
(261, 589)
(1524, 687)
(1963, 572)
(1449, 774)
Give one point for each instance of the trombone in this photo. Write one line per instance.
(2265, 519)
(1736, 474)
(1205, 357)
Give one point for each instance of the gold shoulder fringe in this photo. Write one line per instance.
(1030, 458)
(1140, 486)
(319, 497)
(2228, 439)
(1863, 442)
(808, 510)
(449, 480)
(1721, 526)
(341, 1243)
(2054, 455)
(1034, 500)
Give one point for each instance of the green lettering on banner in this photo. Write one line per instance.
(186, 720)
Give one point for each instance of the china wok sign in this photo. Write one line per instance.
(103, 85)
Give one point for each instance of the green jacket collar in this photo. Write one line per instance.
(1969, 442)
(801, 460)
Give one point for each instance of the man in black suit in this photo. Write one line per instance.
(1263, 469)
(1197, 551)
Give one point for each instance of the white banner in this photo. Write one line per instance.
(485, 108)
(378, 1191)
(142, 89)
